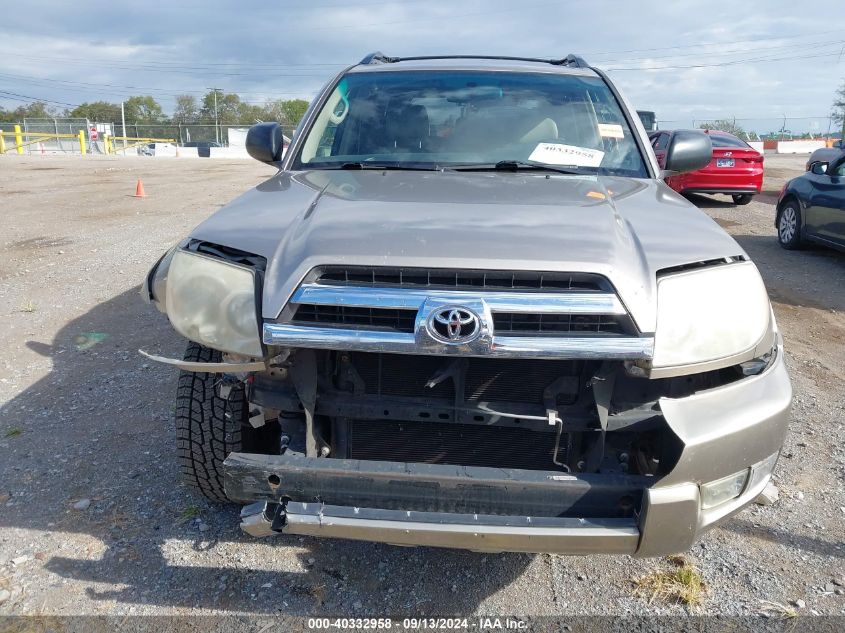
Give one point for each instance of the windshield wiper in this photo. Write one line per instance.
(516, 165)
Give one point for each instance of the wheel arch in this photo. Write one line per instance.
(790, 196)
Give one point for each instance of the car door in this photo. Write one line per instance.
(825, 212)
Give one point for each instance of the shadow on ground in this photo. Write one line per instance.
(99, 426)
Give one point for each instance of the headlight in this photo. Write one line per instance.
(213, 302)
(709, 314)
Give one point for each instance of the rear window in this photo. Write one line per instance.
(722, 140)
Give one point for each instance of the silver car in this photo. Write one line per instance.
(467, 312)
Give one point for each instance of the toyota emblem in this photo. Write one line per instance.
(454, 325)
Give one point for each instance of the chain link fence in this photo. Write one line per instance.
(183, 134)
(781, 128)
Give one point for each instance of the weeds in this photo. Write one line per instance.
(777, 610)
(681, 585)
(14, 432)
(28, 306)
(191, 512)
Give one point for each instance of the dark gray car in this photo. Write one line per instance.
(811, 207)
(467, 312)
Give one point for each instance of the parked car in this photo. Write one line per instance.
(811, 207)
(736, 168)
(825, 154)
(466, 312)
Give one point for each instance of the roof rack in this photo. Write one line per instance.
(570, 60)
(378, 58)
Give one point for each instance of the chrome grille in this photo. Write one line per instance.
(519, 315)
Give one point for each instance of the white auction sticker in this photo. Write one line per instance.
(559, 154)
(611, 130)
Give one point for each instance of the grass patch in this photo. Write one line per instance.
(13, 432)
(28, 306)
(682, 584)
(191, 512)
(777, 610)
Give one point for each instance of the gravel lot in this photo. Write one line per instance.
(93, 519)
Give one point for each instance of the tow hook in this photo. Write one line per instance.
(263, 518)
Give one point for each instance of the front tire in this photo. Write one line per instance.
(208, 427)
(742, 198)
(789, 225)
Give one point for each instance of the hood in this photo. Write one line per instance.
(626, 229)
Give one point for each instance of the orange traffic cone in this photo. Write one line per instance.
(139, 190)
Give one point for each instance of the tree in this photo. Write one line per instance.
(34, 110)
(227, 107)
(724, 125)
(100, 111)
(838, 113)
(287, 112)
(142, 109)
(250, 114)
(186, 110)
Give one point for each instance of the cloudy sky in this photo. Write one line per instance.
(756, 60)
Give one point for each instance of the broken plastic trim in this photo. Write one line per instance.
(210, 368)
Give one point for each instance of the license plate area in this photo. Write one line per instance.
(724, 162)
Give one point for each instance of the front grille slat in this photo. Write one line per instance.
(531, 323)
(348, 316)
(459, 279)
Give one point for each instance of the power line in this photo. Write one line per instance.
(722, 43)
(14, 94)
(720, 64)
(815, 45)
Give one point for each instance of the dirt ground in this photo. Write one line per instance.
(86, 421)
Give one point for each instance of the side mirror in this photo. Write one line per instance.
(265, 142)
(819, 168)
(688, 151)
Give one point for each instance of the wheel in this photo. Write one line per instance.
(789, 225)
(205, 434)
(742, 199)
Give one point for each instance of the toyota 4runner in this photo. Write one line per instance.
(467, 312)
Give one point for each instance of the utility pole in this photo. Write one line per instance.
(216, 118)
(123, 123)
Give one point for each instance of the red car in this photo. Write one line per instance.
(735, 170)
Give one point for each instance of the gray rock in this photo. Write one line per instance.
(769, 496)
(203, 527)
(82, 504)
(829, 587)
(5, 594)
(357, 605)
(800, 604)
(839, 591)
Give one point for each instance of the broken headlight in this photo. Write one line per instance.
(710, 314)
(213, 302)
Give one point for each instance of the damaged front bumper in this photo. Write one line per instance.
(732, 429)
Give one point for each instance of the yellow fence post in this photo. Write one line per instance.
(18, 139)
(82, 141)
(106, 144)
(2, 143)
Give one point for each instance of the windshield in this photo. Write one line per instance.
(442, 119)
